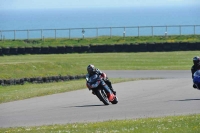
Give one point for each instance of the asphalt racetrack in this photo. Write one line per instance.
(171, 95)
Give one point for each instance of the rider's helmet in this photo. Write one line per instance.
(196, 60)
(91, 69)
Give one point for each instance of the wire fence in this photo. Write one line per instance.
(101, 31)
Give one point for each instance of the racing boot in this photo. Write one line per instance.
(93, 93)
(194, 86)
(114, 92)
(110, 86)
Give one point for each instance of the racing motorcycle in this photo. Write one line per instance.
(101, 89)
(196, 79)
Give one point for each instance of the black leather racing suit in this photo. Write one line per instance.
(107, 81)
(194, 68)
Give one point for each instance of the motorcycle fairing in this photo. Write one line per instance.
(196, 79)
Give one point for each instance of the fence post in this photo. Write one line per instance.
(152, 30)
(180, 29)
(138, 31)
(124, 33)
(194, 29)
(83, 32)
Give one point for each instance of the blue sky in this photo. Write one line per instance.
(49, 4)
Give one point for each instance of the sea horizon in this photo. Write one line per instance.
(96, 17)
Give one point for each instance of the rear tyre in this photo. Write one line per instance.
(102, 96)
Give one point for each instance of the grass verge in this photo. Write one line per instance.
(102, 40)
(170, 124)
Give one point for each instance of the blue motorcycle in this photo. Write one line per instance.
(196, 79)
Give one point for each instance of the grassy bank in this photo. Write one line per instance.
(175, 124)
(22, 66)
(100, 41)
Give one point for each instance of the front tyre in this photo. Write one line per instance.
(102, 96)
(115, 101)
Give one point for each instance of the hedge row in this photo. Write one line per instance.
(40, 80)
(144, 47)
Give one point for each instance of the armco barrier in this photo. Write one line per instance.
(85, 49)
(175, 46)
(13, 51)
(150, 47)
(44, 50)
(36, 50)
(126, 47)
(1, 51)
(52, 50)
(61, 49)
(69, 49)
(109, 48)
(119, 48)
(49, 79)
(5, 51)
(21, 50)
(198, 45)
(140, 47)
(77, 49)
(166, 47)
(192, 46)
(159, 47)
(184, 46)
(143, 47)
(28, 50)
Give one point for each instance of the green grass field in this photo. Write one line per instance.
(22, 66)
(170, 124)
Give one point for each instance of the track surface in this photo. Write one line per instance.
(172, 95)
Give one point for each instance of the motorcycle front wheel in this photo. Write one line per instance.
(102, 96)
(115, 101)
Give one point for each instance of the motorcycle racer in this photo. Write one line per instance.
(195, 66)
(92, 70)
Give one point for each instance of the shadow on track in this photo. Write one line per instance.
(187, 100)
(89, 105)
